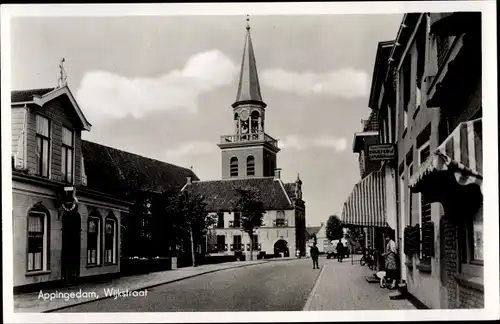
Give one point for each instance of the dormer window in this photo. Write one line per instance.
(67, 155)
(42, 146)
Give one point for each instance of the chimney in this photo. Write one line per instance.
(277, 174)
(188, 180)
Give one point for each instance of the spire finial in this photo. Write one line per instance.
(61, 82)
(248, 22)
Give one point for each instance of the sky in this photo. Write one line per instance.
(162, 87)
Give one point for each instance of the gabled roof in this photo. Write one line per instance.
(27, 95)
(311, 231)
(114, 171)
(220, 195)
(41, 96)
(248, 87)
(379, 72)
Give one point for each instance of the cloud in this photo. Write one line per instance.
(303, 143)
(190, 148)
(106, 95)
(345, 83)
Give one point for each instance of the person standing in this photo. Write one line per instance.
(314, 256)
(340, 251)
(391, 265)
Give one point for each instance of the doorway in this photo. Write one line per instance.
(70, 254)
(281, 248)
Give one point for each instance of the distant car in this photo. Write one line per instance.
(331, 251)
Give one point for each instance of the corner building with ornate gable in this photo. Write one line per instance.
(249, 159)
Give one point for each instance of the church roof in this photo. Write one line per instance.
(115, 172)
(248, 87)
(220, 195)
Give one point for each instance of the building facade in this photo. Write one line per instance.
(64, 231)
(430, 107)
(249, 160)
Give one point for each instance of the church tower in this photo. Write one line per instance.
(249, 151)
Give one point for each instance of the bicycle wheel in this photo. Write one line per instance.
(362, 262)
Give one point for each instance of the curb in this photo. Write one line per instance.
(313, 291)
(152, 286)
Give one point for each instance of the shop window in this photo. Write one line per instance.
(42, 146)
(93, 240)
(38, 240)
(472, 244)
(110, 229)
(233, 167)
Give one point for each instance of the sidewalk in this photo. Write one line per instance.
(342, 286)
(31, 303)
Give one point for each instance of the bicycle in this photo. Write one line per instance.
(368, 259)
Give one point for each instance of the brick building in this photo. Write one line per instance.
(249, 159)
(430, 108)
(63, 230)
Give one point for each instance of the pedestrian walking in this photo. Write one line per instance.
(391, 264)
(314, 256)
(340, 251)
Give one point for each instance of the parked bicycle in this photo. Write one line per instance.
(368, 259)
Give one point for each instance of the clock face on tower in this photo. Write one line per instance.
(244, 114)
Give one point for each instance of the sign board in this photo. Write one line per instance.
(381, 152)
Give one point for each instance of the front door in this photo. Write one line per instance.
(70, 258)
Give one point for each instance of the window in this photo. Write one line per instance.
(250, 166)
(405, 120)
(220, 220)
(402, 205)
(37, 241)
(221, 242)
(236, 242)
(255, 242)
(471, 243)
(410, 195)
(425, 207)
(233, 167)
(389, 122)
(42, 146)
(93, 241)
(280, 218)
(237, 220)
(67, 155)
(110, 241)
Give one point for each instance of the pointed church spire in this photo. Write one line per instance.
(248, 87)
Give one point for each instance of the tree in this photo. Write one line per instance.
(190, 217)
(334, 228)
(252, 211)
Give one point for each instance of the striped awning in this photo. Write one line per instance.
(366, 205)
(461, 154)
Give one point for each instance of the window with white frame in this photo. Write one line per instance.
(110, 241)
(38, 240)
(389, 123)
(402, 205)
(93, 240)
(42, 146)
(425, 206)
(67, 152)
(410, 195)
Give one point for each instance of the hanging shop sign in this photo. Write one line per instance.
(381, 152)
(69, 201)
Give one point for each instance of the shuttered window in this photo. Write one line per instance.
(427, 232)
(233, 167)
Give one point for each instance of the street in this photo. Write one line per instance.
(273, 286)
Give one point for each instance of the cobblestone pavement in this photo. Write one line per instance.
(342, 286)
(32, 303)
